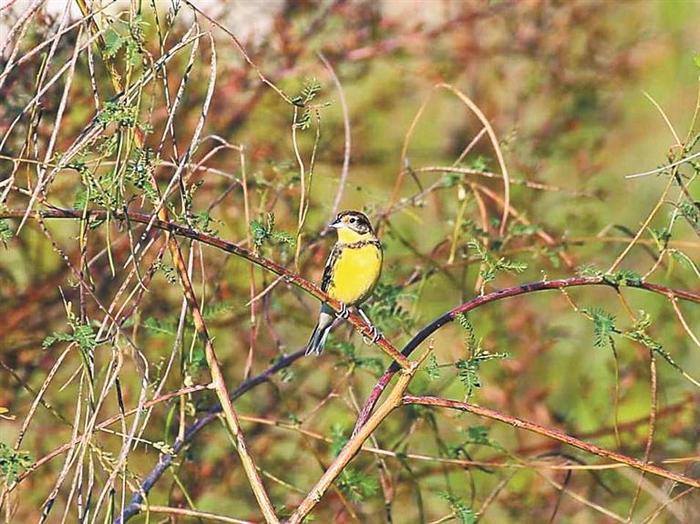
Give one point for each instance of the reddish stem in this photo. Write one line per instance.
(553, 434)
(493, 297)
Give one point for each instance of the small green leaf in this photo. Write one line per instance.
(113, 43)
(518, 229)
(164, 447)
(168, 271)
(348, 350)
(589, 270)
(623, 277)
(685, 260)
(282, 237)
(12, 463)
(339, 439)
(83, 335)
(54, 338)
(468, 369)
(356, 485)
(156, 326)
(5, 231)
(603, 327)
(660, 236)
(432, 368)
(304, 121)
(478, 435)
(387, 308)
(462, 512)
(638, 333)
(202, 221)
(311, 88)
(264, 232)
(691, 212)
(197, 360)
(492, 265)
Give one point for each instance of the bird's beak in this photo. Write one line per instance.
(335, 224)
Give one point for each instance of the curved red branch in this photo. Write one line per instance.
(500, 294)
(553, 434)
(211, 240)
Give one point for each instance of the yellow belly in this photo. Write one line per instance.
(355, 274)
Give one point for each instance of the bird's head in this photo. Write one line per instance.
(352, 226)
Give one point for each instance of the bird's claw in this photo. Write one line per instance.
(344, 312)
(376, 336)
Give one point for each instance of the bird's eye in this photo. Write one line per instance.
(352, 220)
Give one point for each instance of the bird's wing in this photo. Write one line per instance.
(328, 270)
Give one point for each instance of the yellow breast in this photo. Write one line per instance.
(355, 274)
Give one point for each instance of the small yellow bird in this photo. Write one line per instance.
(352, 270)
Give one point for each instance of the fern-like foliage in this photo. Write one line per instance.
(352, 359)
(12, 463)
(491, 265)
(263, 232)
(5, 232)
(387, 310)
(603, 327)
(82, 334)
(468, 369)
(461, 511)
(339, 439)
(311, 88)
(638, 333)
(357, 486)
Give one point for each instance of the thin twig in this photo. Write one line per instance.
(203, 515)
(184, 231)
(494, 296)
(348, 138)
(553, 434)
(355, 444)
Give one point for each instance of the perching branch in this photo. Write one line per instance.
(184, 231)
(363, 427)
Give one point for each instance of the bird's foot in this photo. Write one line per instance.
(344, 312)
(375, 334)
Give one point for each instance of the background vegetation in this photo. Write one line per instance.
(253, 123)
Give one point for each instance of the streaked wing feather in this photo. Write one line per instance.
(328, 270)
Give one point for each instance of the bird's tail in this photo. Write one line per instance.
(320, 333)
